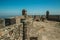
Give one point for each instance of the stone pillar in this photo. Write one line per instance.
(47, 14)
(24, 29)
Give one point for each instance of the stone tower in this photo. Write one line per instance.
(47, 14)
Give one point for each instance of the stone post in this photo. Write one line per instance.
(24, 29)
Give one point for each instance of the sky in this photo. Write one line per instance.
(33, 7)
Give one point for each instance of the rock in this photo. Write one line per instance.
(1, 33)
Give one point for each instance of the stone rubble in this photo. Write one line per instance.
(47, 30)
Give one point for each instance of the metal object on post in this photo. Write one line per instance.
(22, 20)
(24, 29)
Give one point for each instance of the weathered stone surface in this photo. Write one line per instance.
(47, 30)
